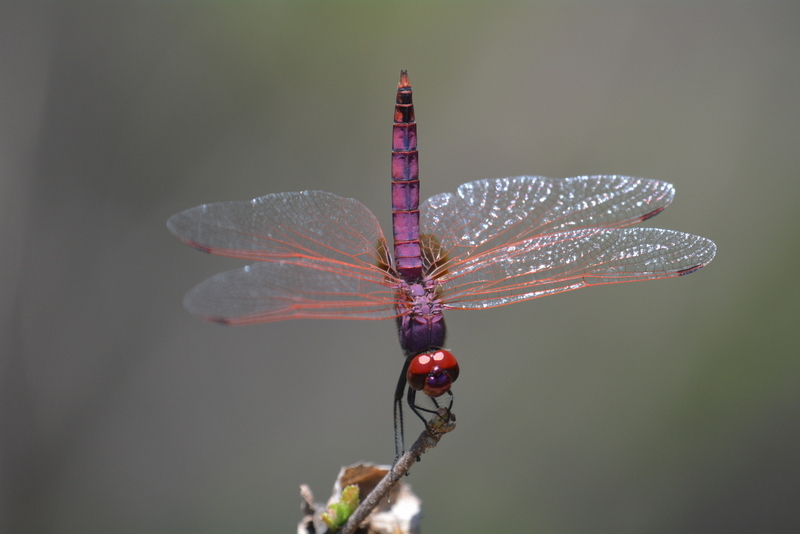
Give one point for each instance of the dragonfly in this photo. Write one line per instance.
(490, 243)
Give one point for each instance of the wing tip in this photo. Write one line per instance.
(705, 258)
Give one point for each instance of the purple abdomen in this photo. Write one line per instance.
(405, 185)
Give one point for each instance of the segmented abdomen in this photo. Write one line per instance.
(405, 185)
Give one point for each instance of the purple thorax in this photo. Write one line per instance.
(421, 327)
(421, 323)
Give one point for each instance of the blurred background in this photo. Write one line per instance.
(661, 407)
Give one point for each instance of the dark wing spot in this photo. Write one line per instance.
(653, 214)
(690, 270)
(198, 246)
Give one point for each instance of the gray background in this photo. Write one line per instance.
(670, 406)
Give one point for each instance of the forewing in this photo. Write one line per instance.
(486, 214)
(274, 291)
(339, 233)
(563, 261)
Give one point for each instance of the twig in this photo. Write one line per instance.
(441, 424)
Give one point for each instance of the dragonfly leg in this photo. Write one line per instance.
(399, 437)
(399, 445)
(412, 396)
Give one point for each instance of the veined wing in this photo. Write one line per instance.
(340, 233)
(485, 214)
(563, 261)
(274, 291)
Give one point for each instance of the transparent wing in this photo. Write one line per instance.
(274, 291)
(564, 261)
(323, 256)
(486, 214)
(340, 234)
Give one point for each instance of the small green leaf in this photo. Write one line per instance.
(339, 512)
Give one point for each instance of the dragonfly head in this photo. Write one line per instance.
(433, 372)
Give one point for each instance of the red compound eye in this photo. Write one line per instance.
(433, 373)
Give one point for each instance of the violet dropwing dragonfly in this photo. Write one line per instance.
(491, 243)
